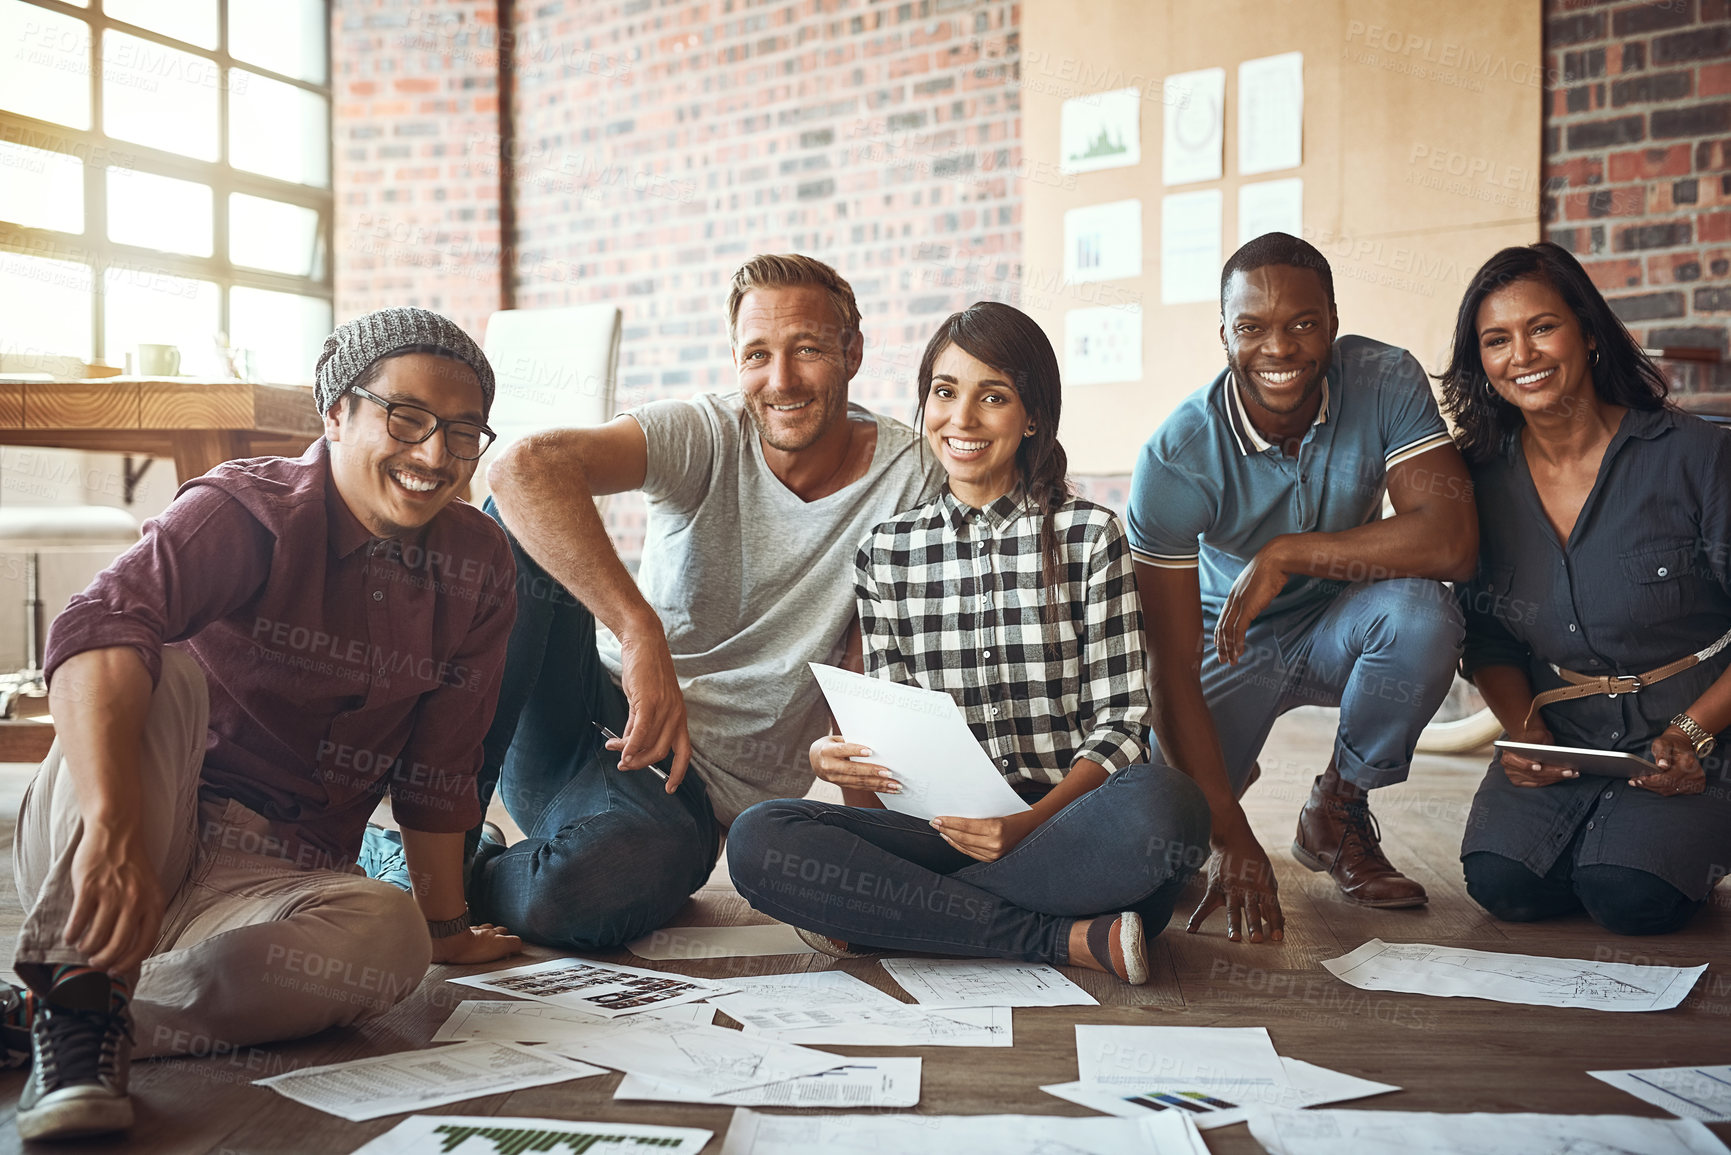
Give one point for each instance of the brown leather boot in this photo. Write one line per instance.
(1337, 833)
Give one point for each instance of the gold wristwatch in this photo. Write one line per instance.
(1704, 742)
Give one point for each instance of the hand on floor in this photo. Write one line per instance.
(478, 944)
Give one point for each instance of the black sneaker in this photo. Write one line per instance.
(77, 1084)
(17, 1012)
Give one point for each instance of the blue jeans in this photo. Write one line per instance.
(877, 878)
(608, 855)
(1383, 651)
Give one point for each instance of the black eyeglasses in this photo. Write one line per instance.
(412, 425)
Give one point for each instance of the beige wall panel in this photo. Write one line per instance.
(1390, 90)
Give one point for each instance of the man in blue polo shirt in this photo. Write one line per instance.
(1269, 578)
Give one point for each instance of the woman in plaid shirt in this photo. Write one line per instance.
(1018, 599)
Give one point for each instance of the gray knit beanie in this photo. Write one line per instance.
(355, 346)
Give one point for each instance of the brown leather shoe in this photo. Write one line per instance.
(1337, 833)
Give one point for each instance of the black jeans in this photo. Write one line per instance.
(1621, 899)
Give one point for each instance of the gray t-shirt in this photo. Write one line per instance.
(751, 583)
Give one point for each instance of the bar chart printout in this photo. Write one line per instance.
(493, 1135)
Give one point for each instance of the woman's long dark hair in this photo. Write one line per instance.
(1010, 342)
(1622, 374)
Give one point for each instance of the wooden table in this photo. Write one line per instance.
(197, 423)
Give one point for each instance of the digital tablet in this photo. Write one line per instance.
(1605, 763)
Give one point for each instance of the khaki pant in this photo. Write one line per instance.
(253, 948)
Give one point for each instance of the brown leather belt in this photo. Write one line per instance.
(1583, 686)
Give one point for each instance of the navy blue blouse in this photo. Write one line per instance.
(1644, 579)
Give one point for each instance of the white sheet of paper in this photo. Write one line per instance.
(1307, 1086)
(752, 1133)
(1456, 972)
(809, 990)
(1234, 1061)
(605, 989)
(515, 1022)
(1103, 345)
(1193, 145)
(490, 1134)
(1702, 1093)
(1408, 1132)
(691, 942)
(943, 982)
(705, 1059)
(1100, 130)
(897, 1026)
(363, 1089)
(861, 1083)
(1271, 113)
(921, 736)
(1270, 206)
(1103, 242)
(1190, 246)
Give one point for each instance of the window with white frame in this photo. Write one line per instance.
(165, 178)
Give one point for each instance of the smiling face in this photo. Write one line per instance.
(393, 488)
(1278, 327)
(1533, 349)
(974, 422)
(794, 361)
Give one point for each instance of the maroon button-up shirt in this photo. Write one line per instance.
(339, 665)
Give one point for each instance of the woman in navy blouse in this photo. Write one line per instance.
(1018, 599)
(1604, 558)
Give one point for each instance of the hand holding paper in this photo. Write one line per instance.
(921, 737)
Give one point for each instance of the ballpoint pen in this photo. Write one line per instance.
(612, 737)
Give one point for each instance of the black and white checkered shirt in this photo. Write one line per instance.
(950, 599)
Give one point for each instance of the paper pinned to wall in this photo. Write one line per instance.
(1190, 225)
(1271, 113)
(1100, 130)
(1270, 206)
(1103, 242)
(1193, 145)
(1103, 345)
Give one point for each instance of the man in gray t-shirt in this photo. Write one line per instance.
(757, 501)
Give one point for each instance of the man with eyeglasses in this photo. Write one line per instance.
(290, 640)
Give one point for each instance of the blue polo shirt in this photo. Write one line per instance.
(1209, 492)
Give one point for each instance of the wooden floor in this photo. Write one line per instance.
(1448, 1054)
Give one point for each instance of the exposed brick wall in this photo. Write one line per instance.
(1638, 162)
(662, 144)
(415, 137)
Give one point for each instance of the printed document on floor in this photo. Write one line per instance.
(492, 1134)
(1456, 972)
(363, 1089)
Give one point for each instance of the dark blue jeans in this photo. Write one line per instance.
(608, 855)
(882, 879)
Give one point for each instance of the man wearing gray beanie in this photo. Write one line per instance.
(291, 639)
